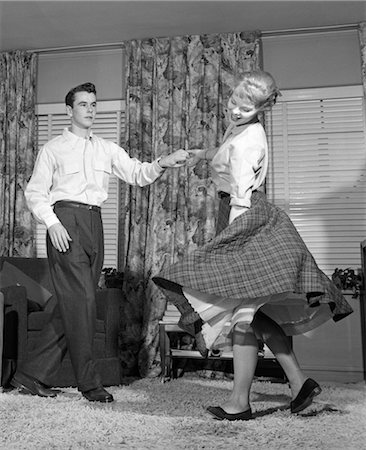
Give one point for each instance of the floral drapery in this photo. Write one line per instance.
(176, 97)
(362, 40)
(17, 135)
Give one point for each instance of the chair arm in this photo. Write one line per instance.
(15, 298)
(16, 315)
(108, 309)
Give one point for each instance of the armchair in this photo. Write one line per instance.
(26, 310)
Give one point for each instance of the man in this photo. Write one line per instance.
(68, 185)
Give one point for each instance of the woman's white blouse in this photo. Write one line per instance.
(240, 165)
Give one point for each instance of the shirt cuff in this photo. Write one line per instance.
(157, 161)
(52, 220)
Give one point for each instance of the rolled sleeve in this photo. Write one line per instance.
(244, 163)
(37, 192)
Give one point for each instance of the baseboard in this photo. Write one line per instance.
(335, 376)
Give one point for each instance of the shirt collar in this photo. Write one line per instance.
(237, 129)
(73, 138)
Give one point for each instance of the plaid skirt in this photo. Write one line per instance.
(261, 261)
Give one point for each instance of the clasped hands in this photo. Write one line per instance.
(181, 157)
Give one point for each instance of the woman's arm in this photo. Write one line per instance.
(197, 155)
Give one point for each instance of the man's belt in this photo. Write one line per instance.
(71, 204)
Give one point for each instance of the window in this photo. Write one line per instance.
(317, 170)
(109, 124)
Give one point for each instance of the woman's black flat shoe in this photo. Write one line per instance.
(221, 414)
(305, 397)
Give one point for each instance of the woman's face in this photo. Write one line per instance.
(240, 110)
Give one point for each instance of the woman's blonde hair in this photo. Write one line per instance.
(259, 88)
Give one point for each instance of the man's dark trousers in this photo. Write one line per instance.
(75, 276)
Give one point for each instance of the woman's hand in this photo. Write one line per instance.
(176, 159)
(195, 156)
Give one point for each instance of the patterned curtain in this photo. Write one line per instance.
(176, 97)
(362, 40)
(17, 152)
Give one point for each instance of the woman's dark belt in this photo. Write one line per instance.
(71, 204)
(223, 194)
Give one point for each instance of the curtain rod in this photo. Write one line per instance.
(324, 29)
(265, 34)
(80, 48)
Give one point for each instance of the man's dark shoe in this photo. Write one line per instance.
(31, 386)
(50, 388)
(98, 394)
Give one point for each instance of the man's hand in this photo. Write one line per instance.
(59, 236)
(176, 159)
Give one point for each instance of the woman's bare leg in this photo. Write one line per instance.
(245, 350)
(276, 340)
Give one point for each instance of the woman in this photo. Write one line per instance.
(256, 278)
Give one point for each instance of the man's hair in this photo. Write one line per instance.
(85, 87)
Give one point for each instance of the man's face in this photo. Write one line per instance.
(84, 110)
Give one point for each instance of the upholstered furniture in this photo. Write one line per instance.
(29, 301)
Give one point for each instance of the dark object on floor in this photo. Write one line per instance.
(218, 413)
(305, 397)
(98, 395)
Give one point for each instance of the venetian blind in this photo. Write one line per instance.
(109, 124)
(317, 170)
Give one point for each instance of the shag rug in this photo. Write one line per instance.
(148, 414)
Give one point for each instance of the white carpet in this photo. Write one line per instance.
(147, 414)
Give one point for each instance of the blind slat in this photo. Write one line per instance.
(317, 174)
